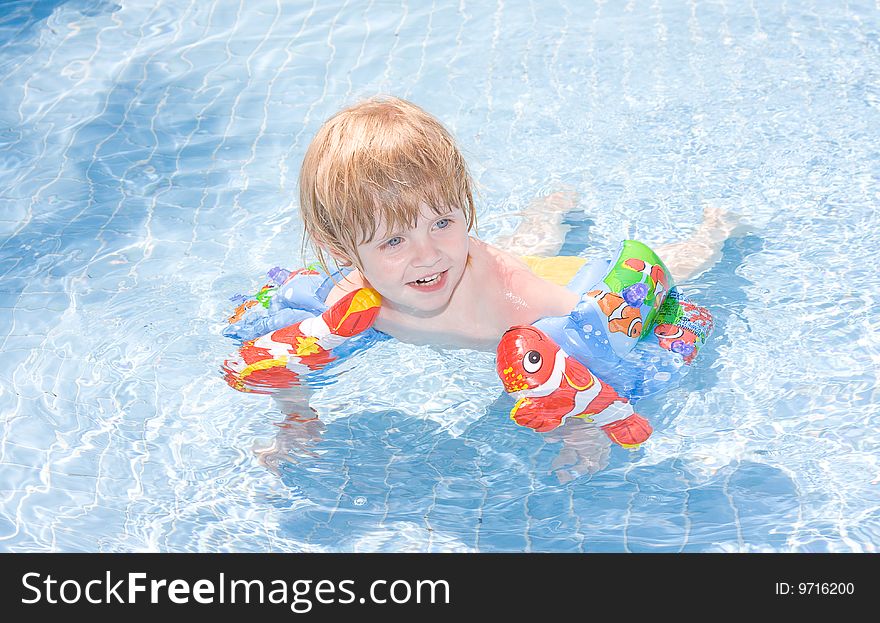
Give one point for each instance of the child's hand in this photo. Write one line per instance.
(296, 437)
(585, 450)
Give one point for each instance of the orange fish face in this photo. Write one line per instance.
(622, 318)
(668, 332)
(525, 358)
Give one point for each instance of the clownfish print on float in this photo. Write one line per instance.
(279, 358)
(551, 386)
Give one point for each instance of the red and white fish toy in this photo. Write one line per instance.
(551, 386)
(277, 359)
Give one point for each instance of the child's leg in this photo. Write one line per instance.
(699, 252)
(541, 231)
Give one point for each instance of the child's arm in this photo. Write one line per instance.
(702, 250)
(297, 434)
(278, 362)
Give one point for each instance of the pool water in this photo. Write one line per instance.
(148, 160)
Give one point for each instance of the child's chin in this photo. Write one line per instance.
(434, 304)
(429, 307)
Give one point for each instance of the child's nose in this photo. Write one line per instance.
(426, 253)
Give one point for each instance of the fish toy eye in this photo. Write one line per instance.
(532, 361)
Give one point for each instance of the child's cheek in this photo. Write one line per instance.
(387, 270)
(394, 264)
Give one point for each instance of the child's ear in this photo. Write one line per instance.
(341, 258)
(338, 256)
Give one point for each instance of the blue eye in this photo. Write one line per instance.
(443, 223)
(394, 241)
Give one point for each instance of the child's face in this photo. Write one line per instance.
(416, 270)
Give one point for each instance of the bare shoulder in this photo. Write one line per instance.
(490, 258)
(353, 281)
(534, 296)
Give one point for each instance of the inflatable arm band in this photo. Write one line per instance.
(275, 352)
(631, 335)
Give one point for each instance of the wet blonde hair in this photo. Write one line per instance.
(377, 162)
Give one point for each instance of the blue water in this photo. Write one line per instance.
(148, 160)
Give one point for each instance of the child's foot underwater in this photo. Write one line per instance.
(541, 230)
(702, 250)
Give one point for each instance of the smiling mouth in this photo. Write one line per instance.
(428, 281)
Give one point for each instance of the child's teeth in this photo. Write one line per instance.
(428, 279)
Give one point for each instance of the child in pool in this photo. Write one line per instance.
(385, 191)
